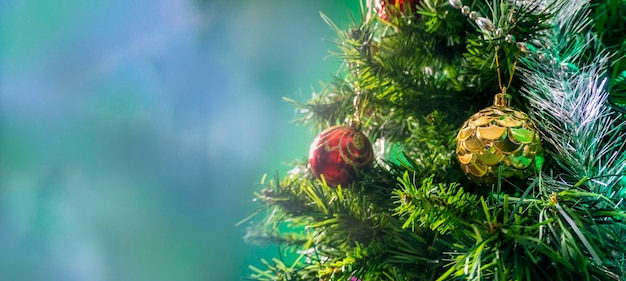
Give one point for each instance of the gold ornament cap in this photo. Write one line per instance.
(502, 99)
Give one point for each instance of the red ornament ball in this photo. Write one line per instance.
(386, 11)
(337, 152)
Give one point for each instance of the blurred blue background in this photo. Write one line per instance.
(133, 133)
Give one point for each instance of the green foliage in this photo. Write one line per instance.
(440, 207)
(610, 25)
(340, 232)
(410, 82)
(430, 145)
(554, 237)
(518, 26)
(568, 99)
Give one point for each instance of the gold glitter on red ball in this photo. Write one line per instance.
(338, 152)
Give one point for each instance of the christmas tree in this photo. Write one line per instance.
(460, 140)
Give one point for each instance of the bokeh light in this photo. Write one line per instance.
(133, 133)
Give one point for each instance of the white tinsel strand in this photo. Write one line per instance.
(570, 103)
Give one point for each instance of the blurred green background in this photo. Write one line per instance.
(133, 133)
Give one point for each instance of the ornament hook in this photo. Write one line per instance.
(502, 99)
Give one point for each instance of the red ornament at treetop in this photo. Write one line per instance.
(385, 12)
(338, 152)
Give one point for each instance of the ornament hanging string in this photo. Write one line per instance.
(355, 102)
(358, 102)
(359, 108)
(503, 89)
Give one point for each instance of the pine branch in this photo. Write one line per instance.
(570, 104)
(335, 228)
(543, 237)
(439, 207)
(609, 25)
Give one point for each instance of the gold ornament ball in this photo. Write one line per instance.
(498, 139)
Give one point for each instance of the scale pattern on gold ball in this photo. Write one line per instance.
(496, 138)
